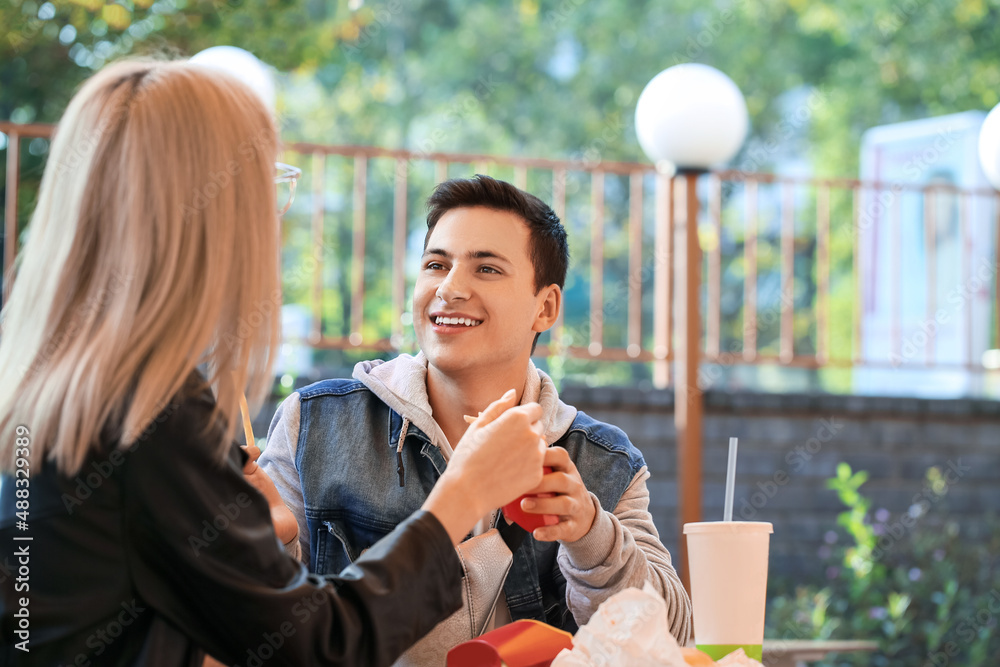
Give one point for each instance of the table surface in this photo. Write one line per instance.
(794, 652)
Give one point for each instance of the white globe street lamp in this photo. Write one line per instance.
(691, 116)
(243, 65)
(989, 147)
(688, 118)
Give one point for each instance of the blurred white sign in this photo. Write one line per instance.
(927, 261)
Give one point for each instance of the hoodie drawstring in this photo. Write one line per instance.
(399, 451)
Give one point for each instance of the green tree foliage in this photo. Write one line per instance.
(527, 77)
(552, 78)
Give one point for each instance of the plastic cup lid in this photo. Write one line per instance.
(729, 527)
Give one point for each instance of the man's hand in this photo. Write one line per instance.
(284, 522)
(497, 460)
(570, 500)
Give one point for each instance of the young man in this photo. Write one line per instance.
(353, 458)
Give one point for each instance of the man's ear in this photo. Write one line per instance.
(549, 304)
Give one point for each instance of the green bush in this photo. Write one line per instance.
(908, 581)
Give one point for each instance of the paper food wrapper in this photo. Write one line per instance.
(629, 629)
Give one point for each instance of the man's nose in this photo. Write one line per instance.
(454, 286)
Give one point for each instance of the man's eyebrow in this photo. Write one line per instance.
(473, 254)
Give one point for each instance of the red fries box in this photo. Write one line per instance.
(524, 643)
(528, 521)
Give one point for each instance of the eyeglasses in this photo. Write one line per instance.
(285, 178)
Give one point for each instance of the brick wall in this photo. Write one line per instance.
(789, 445)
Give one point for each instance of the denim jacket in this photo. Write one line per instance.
(352, 494)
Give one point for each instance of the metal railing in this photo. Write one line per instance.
(628, 311)
(620, 322)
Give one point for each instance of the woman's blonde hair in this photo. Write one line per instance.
(154, 248)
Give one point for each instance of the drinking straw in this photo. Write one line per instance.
(245, 413)
(730, 481)
(247, 427)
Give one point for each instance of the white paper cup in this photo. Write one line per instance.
(727, 562)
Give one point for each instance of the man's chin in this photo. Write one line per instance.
(450, 362)
(453, 357)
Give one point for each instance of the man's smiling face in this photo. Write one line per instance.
(474, 305)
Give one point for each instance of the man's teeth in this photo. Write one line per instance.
(457, 320)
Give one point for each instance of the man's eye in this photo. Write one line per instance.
(489, 269)
(434, 266)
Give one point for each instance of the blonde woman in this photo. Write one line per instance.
(144, 305)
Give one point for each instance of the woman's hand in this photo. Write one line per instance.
(284, 522)
(498, 459)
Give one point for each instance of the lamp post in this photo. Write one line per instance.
(688, 118)
(989, 159)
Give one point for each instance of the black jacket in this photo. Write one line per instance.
(153, 554)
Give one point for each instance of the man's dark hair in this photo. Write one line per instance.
(548, 247)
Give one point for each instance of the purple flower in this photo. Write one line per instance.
(915, 574)
(878, 529)
(877, 613)
(882, 515)
(830, 537)
(939, 554)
